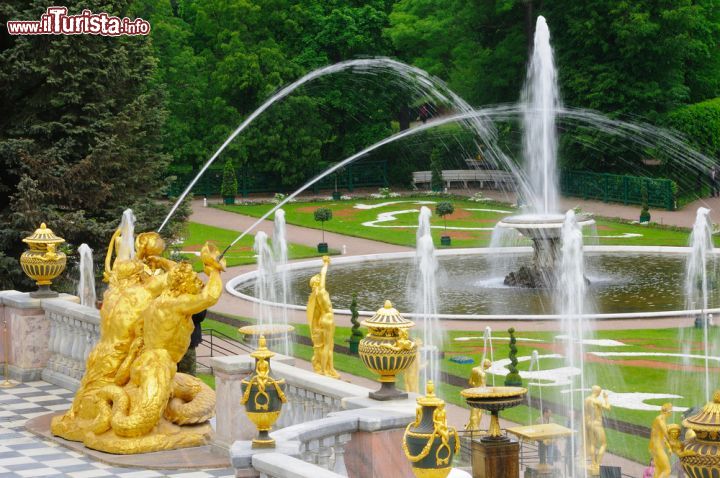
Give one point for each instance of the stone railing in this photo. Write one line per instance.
(29, 332)
(278, 465)
(356, 443)
(74, 331)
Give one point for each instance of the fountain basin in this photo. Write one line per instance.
(545, 226)
(275, 335)
(544, 230)
(628, 282)
(494, 399)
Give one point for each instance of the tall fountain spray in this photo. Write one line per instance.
(540, 103)
(488, 352)
(266, 292)
(86, 284)
(571, 297)
(696, 278)
(280, 255)
(126, 246)
(427, 268)
(541, 99)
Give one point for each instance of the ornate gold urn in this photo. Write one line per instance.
(43, 262)
(263, 396)
(428, 442)
(700, 455)
(387, 350)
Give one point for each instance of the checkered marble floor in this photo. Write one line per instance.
(23, 454)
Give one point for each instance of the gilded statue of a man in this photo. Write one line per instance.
(322, 323)
(659, 442)
(595, 440)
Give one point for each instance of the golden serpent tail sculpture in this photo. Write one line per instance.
(131, 399)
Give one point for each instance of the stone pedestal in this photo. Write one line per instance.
(28, 332)
(495, 459)
(377, 455)
(232, 423)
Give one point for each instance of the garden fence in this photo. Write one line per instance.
(661, 193)
(365, 174)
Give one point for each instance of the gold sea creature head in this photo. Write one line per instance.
(183, 279)
(149, 244)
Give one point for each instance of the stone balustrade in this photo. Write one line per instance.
(278, 465)
(29, 333)
(357, 443)
(74, 331)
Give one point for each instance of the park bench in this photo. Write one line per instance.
(496, 178)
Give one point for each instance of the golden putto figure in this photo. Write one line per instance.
(595, 441)
(478, 378)
(131, 400)
(322, 323)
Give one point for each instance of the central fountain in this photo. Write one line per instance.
(540, 104)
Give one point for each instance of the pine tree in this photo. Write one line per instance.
(80, 132)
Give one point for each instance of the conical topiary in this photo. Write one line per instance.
(357, 334)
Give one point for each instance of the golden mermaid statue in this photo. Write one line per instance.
(131, 400)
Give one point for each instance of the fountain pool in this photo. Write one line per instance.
(623, 280)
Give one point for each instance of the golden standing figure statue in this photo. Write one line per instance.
(322, 323)
(478, 378)
(659, 442)
(131, 400)
(595, 440)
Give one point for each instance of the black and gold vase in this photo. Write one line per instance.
(429, 443)
(387, 350)
(701, 455)
(263, 396)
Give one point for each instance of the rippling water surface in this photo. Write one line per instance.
(468, 285)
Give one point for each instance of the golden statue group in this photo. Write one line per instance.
(131, 399)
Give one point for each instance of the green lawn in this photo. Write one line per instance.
(348, 219)
(241, 253)
(617, 374)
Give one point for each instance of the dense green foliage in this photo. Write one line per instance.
(81, 134)
(221, 60)
(700, 123)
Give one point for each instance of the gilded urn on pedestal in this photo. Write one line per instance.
(263, 396)
(387, 350)
(43, 262)
(701, 453)
(429, 443)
